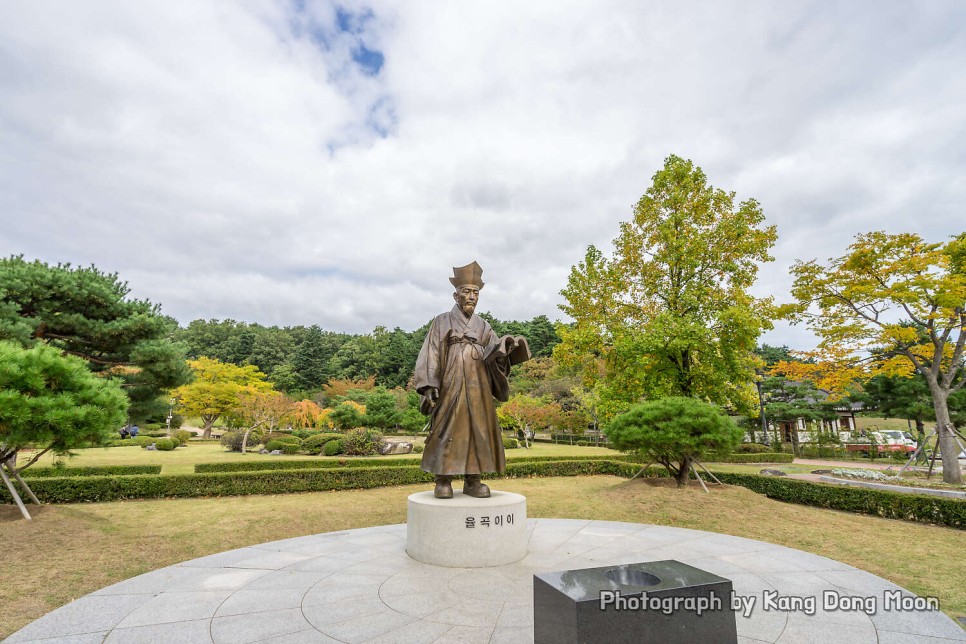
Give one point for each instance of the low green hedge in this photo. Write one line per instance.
(374, 461)
(891, 505)
(105, 470)
(376, 473)
(773, 457)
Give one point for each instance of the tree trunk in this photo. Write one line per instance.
(684, 469)
(947, 443)
(245, 440)
(209, 422)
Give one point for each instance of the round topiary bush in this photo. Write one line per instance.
(332, 447)
(418, 449)
(165, 444)
(285, 447)
(582, 443)
(510, 443)
(183, 436)
(315, 443)
(144, 441)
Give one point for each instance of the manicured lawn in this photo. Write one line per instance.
(183, 459)
(71, 550)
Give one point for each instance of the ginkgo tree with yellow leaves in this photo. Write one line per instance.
(894, 304)
(216, 389)
(670, 313)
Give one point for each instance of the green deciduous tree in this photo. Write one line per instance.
(673, 432)
(52, 402)
(670, 312)
(216, 389)
(87, 313)
(347, 415)
(893, 304)
(381, 409)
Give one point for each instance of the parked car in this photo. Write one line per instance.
(896, 437)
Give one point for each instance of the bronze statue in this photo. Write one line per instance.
(461, 367)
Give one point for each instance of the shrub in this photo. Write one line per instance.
(285, 447)
(144, 441)
(582, 443)
(333, 447)
(673, 431)
(183, 436)
(361, 441)
(766, 457)
(418, 449)
(752, 448)
(306, 433)
(315, 443)
(280, 436)
(232, 441)
(165, 444)
(509, 443)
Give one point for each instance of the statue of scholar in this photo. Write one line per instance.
(461, 368)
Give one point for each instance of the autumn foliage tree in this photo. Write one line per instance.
(526, 413)
(216, 389)
(893, 304)
(305, 413)
(260, 409)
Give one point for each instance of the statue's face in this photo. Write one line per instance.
(466, 298)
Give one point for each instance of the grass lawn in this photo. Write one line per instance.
(71, 550)
(183, 459)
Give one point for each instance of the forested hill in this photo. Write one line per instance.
(301, 358)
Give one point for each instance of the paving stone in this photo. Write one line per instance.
(175, 607)
(259, 600)
(362, 629)
(255, 627)
(89, 614)
(356, 586)
(193, 632)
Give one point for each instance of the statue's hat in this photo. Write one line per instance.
(470, 274)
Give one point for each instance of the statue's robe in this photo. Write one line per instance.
(469, 365)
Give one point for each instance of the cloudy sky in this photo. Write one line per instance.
(310, 163)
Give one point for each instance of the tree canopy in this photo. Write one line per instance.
(87, 313)
(674, 431)
(669, 313)
(893, 304)
(216, 389)
(51, 401)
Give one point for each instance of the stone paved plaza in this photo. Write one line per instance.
(360, 586)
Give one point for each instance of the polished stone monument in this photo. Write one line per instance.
(659, 602)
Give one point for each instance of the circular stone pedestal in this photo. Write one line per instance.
(466, 532)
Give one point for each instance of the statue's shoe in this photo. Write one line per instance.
(444, 489)
(474, 487)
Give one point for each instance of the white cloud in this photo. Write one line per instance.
(236, 160)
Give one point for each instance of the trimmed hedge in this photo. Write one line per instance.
(774, 457)
(104, 470)
(115, 488)
(377, 461)
(891, 505)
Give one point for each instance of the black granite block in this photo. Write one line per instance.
(662, 602)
